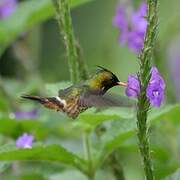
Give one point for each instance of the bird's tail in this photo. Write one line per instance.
(48, 102)
(34, 98)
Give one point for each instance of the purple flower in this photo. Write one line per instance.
(135, 41)
(132, 28)
(155, 94)
(33, 114)
(25, 141)
(7, 7)
(154, 91)
(156, 78)
(133, 86)
(120, 20)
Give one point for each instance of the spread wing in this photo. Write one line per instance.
(107, 100)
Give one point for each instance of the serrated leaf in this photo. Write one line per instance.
(40, 153)
(27, 14)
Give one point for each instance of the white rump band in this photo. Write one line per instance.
(62, 101)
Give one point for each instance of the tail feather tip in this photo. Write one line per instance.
(37, 98)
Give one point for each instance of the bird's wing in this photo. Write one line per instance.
(63, 92)
(106, 100)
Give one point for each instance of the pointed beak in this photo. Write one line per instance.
(122, 84)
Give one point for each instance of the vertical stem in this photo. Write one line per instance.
(73, 51)
(76, 63)
(116, 167)
(144, 76)
(112, 160)
(87, 154)
(65, 25)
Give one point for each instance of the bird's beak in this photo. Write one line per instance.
(122, 84)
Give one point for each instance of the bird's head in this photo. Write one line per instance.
(104, 80)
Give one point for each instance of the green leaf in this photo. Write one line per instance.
(117, 141)
(28, 14)
(89, 122)
(3, 104)
(14, 128)
(174, 176)
(127, 127)
(169, 112)
(68, 175)
(90, 119)
(40, 153)
(31, 176)
(119, 132)
(4, 165)
(124, 129)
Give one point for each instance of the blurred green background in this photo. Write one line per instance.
(35, 59)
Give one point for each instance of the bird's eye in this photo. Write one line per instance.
(113, 79)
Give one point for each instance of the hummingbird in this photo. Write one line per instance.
(90, 93)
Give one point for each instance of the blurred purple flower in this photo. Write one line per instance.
(33, 114)
(133, 86)
(133, 28)
(174, 64)
(24, 141)
(120, 20)
(138, 18)
(7, 7)
(175, 71)
(154, 91)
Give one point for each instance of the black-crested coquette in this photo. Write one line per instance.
(91, 93)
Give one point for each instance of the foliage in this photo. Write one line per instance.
(34, 12)
(57, 151)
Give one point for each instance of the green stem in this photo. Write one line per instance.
(144, 76)
(112, 160)
(87, 154)
(75, 61)
(65, 24)
(116, 167)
